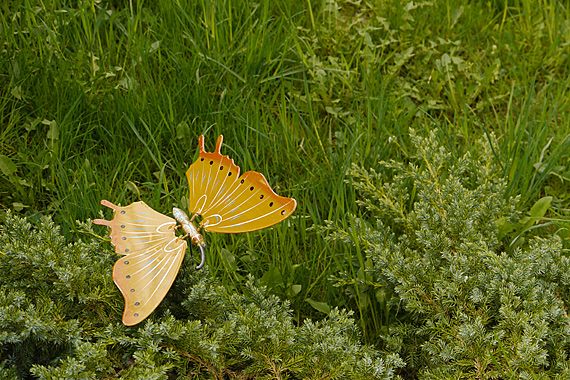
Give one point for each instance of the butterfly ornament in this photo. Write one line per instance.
(153, 253)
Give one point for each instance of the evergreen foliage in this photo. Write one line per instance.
(60, 313)
(461, 306)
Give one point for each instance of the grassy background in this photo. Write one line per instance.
(106, 99)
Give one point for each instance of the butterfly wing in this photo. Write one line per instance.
(230, 203)
(153, 254)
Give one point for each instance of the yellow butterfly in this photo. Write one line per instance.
(153, 253)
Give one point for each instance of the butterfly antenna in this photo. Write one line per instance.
(203, 252)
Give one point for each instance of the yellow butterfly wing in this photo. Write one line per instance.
(153, 254)
(229, 203)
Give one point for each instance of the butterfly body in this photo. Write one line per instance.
(227, 202)
(187, 226)
(191, 232)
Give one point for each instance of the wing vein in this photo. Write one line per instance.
(254, 219)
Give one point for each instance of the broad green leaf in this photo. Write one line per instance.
(504, 227)
(134, 188)
(537, 212)
(24, 182)
(382, 295)
(154, 47)
(320, 306)
(7, 166)
(229, 260)
(272, 278)
(17, 92)
(53, 131)
(18, 206)
(184, 202)
(296, 288)
(182, 130)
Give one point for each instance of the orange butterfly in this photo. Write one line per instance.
(152, 251)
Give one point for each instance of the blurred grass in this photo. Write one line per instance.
(105, 100)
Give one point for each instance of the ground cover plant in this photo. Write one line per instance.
(459, 305)
(425, 142)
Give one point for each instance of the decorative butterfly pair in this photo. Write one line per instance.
(153, 253)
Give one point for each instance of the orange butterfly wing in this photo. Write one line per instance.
(153, 254)
(230, 204)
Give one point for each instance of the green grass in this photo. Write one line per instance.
(106, 100)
